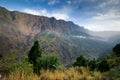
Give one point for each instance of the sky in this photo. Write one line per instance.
(96, 15)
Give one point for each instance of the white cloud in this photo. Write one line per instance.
(107, 21)
(111, 14)
(60, 16)
(107, 25)
(107, 3)
(44, 12)
(52, 2)
(30, 11)
(69, 2)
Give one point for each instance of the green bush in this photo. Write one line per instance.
(103, 66)
(23, 65)
(116, 50)
(80, 61)
(92, 64)
(46, 62)
(9, 58)
(1, 56)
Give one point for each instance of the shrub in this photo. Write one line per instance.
(23, 65)
(8, 59)
(103, 66)
(80, 61)
(47, 62)
(92, 64)
(1, 56)
(116, 50)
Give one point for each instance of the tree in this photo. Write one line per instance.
(116, 50)
(80, 61)
(34, 53)
(1, 56)
(92, 64)
(103, 66)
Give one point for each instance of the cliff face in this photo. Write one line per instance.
(19, 30)
(32, 25)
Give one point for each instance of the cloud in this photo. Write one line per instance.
(52, 2)
(44, 12)
(30, 11)
(111, 14)
(111, 25)
(69, 2)
(60, 16)
(106, 3)
(108, 20)
(106, 16)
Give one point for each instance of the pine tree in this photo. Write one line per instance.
(35, 53)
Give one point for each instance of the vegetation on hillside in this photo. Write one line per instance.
(101, 66)
(44, 62)
(47, 67)
(116, 50)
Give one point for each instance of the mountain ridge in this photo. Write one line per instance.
(66, 39)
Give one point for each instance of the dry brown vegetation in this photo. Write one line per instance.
(59, 74)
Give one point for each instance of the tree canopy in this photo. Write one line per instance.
(80, 61)
(103, 66)
(34, 53)
(116, 50)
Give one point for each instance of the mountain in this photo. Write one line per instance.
(18, 31)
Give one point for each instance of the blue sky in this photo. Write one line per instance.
(96, 15)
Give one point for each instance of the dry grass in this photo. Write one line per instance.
(21, 76)
(59, 74)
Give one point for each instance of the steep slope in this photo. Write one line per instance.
(19, 30)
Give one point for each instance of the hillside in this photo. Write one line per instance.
(19, 30)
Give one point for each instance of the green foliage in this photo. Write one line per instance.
(92, 64)
(113, 61)
(47, 62)
(80, 61)
(1, 56)
(5, 13)
(34, 53)
(23, 65)
(113, 73)
(116, 50)
(8, 59)
(103, 66)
